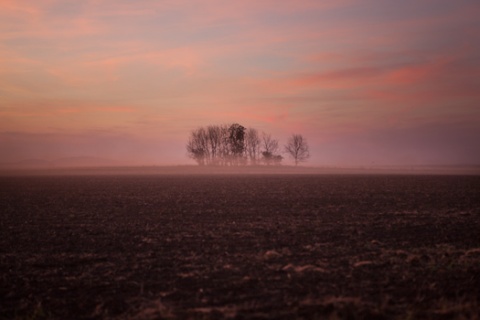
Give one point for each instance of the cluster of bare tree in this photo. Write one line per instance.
(236, 145)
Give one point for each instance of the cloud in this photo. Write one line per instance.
(160, 68)
(185, 59)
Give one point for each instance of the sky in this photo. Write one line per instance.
(367, 82)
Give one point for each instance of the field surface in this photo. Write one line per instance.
(240, 246)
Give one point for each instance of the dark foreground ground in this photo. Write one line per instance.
(240, 246)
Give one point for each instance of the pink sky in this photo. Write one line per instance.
(365, 81)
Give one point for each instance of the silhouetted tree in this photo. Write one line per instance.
(197, 146)
(214, 135)
(236, 140)
(252, 145)
(297, 148)
(231, 144)
(224, 150)
(270, 148)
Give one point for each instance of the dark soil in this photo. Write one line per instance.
(240, 246)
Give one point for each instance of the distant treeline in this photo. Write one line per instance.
(234, 144)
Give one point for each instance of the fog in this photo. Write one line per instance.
(194, 170)
(412, 148)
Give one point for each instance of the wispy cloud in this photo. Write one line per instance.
(326, 68)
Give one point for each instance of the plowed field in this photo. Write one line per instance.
(239, 246)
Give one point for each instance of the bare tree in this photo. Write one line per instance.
(197, 146)
(297, 148)
(270, 148)
(224, 154)
(214, 135)
(231, 144)
(252, 145)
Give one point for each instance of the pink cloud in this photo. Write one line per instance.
(415, 73)
(187, 59)
(216, 11)
(16, 8)
(34, 21)
(159, 68)
(94, 109)
(263, 114)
